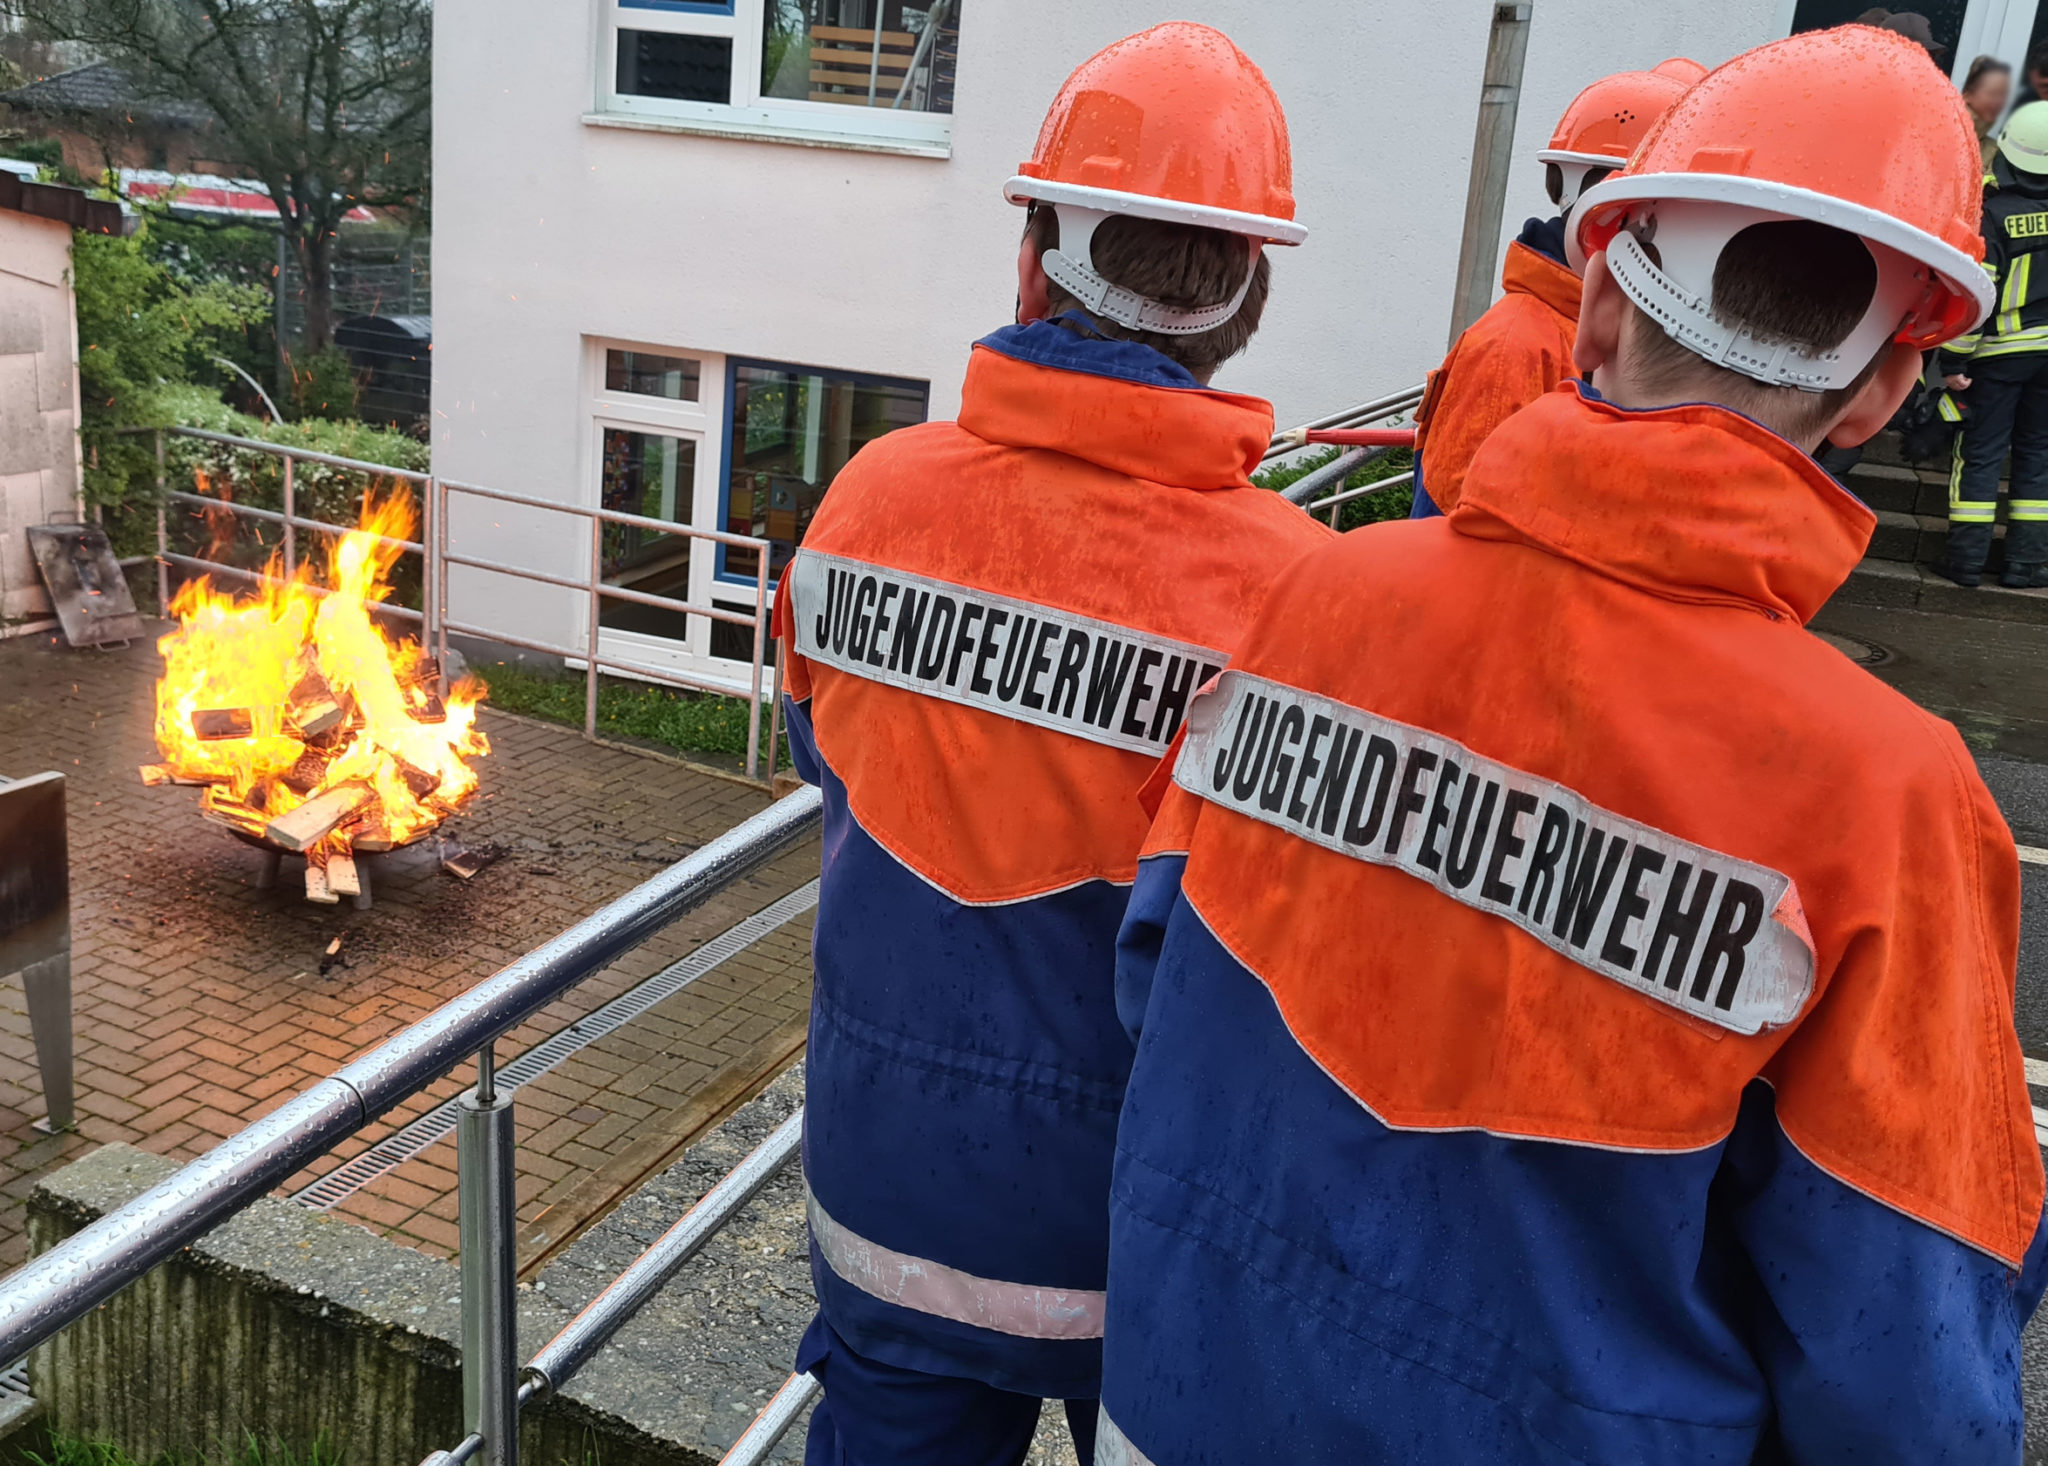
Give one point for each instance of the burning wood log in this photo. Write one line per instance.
(155, 776)
(221, 808)
(342, 878)
(315, 710)
(422, 692)
(317, 888)
(217, 725)
(307, 774)
(418, 780)
(318, 817)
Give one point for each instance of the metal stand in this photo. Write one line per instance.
(267, 872)
(484, 1162)
(362, 896)
(48, 984)
(35, 927)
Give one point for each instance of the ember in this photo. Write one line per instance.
(313, 731)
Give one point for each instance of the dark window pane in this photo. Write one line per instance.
(1944, 17)
(792, 431)
(651, 475)
(862, 53)
(647, 375)
(681, 68)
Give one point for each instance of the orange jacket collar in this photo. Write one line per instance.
(1693, 503)
(1193, 438)
(1532, 272)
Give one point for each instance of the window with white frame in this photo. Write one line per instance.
(862, 72)
(716, 442)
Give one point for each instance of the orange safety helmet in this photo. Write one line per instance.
(1852, 127)
(1606, 121)
(1174, 123)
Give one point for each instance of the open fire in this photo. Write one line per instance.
(312, 729)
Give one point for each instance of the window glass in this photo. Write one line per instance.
(647, 375)
(651, 475)
(793, 429)
(862, 53)
(681, 68)
(1944, 17)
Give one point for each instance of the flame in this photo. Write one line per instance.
(289, 658)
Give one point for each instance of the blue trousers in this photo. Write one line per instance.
(876, 1414)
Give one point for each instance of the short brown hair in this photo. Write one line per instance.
(1176, 264)
(1787, 280)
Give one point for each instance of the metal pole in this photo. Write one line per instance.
(875, 56)
(596, 607)
(440, 491)
(291, 511)
(760, 645)
(774, 1421)
(586, 1333)
(485, 1159)
(1493, 146)
(163, 535)
(774, 720)
(427, 564)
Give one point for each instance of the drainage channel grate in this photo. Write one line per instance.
(394, 1150)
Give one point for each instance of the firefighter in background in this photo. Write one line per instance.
(1574, 1003)
(1522, 346)
(2000, 374)
(993, 631)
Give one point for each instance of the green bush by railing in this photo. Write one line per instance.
(1389, 503)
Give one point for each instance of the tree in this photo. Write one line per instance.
(326, 102)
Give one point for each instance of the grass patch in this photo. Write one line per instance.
(1389, 503)
(73, 1450)
(687, 722)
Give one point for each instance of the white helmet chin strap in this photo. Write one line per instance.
(1689, 237)
(1072, 268)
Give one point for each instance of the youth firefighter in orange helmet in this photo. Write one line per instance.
(1574, 1003)
(993, 630)
(1522, 346)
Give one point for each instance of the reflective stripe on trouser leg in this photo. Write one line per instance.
(1113, 1447)
(1961, 510)
(1019, 1309)
(2025, 511)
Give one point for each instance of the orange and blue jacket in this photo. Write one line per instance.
(1513, 354)
(993, 630)
(1575, 1019)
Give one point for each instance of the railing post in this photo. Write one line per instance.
(774, 720)
(163, 534)
(439, 491)
(760, 645)
(291, 540)
(596, 606)
(485, 1159)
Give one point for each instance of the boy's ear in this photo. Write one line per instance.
(1034, 291)
(1603, 310)
(1872, 407)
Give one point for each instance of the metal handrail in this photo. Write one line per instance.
(1284, 442)
(77, 1275)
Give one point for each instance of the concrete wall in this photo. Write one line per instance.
(550, 231)
(38, 400)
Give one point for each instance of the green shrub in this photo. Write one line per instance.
(323, 384)
(1393, 502)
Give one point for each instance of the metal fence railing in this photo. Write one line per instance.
(438, 553)
(79, 1274)
(1304, 490)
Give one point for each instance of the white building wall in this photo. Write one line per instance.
(38, 401)
(550, 231)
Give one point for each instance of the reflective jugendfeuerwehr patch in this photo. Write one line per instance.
(1720, 938)
(1073, 674)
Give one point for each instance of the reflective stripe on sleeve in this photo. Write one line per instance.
(1053, 668)
(1718, 937)
(1019, 1309)
(1112, 1446)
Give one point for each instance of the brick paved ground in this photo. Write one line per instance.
(198, 1002)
